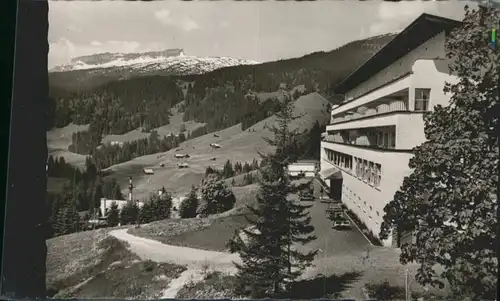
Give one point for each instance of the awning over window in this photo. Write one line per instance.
(330, 173)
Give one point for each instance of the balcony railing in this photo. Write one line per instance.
(362, 140)
(365, 111)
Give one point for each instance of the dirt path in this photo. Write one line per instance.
(197, 261)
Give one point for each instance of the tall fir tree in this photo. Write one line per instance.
(270, 257)
(129, 213)
(189, 205)
(163, 208)
(67, 219)
(449, 201)
(113, 217)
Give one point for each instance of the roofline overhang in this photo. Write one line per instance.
(351, 81)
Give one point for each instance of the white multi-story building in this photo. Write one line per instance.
(368, 144)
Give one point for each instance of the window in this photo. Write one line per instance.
(369, 172)
(365, 170)
(422, 97)
(379, 140)
(373, 173)
(358, 168)
(379, 174)
(393, 139)
(385, 140)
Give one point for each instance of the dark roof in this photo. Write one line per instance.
(419, 31)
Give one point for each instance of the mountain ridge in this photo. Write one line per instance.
(174, 60)
(187, 66)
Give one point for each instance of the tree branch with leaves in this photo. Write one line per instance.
(449, 201)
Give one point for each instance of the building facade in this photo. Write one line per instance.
(368, 144)
(306, 168)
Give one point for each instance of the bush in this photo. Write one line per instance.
(216, 196)
(188, 207)
(385, 291)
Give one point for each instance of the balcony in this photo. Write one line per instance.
(397, 102)
(397, 87)
(380, 138)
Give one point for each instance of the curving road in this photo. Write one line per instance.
(159, 252)
(197, 261)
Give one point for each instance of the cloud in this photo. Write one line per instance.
(392, 16)
(189, 24)
(164, 16)
(186, 23)
(62, 51)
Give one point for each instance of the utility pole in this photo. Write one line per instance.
(131, 199)
(407, 293)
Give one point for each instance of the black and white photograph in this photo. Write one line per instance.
(273, 149)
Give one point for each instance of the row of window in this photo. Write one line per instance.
(340, 159)
(368, 171)
(364, 170)
(383, 139)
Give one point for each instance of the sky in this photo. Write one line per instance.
(257, 30)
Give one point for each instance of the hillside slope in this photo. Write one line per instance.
(236, 145)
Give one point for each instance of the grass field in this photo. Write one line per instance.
(93, 264)
(215, 285)
(211, 233)
(58, 141)
(236, 145)
(172, 128)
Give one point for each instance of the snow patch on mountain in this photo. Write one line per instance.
(151, 62)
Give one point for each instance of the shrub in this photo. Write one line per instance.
(216, 196)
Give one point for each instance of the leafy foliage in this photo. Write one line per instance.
(189, 205)
(450, 199)
(217, 197)
(270, 260)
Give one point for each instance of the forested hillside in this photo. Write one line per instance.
(220, 99)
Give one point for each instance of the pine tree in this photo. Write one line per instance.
(189, 206)
(163, 208)
(113, 217)
(67, 219)
(147, 212)
(449, 201)
(270, 260)
(129, 213)
(228, 170)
